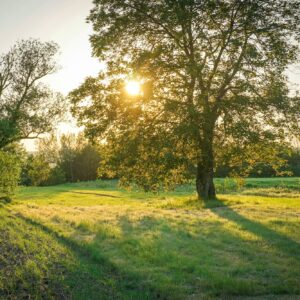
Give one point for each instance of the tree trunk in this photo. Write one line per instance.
(205, 170)
(204, 182)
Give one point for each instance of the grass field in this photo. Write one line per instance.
(94, 241)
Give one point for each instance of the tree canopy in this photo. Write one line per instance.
(213, 86)
(27, 107)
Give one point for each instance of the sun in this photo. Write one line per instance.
(133, 87)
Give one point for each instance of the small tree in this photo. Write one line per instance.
(27, 107)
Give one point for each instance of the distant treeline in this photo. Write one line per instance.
(291, 167)
(72, 158)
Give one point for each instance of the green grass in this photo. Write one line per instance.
(94, 241)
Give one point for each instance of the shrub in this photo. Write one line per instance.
(56, 176)
(231, 184)
(38, 170)
(9, 173)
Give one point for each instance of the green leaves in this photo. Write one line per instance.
(27, 107)
(9, 173)
(216, 77)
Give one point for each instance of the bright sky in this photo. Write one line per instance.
(62, 21)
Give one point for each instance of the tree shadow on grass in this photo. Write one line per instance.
(4, 200)
(93, 276)
(281, 242)
(160, 255)
(96, 194)
(211, 262)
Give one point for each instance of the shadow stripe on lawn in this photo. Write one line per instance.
(96, 194)
(281, 242)
(127, 282)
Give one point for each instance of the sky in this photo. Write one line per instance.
(64, 22)
(61, 21)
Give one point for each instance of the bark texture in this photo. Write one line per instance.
(204, 181)
(205, 167)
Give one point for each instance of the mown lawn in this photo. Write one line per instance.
(94, 241)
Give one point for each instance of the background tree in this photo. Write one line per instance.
(78, 158)
(294, 161)
(86, 163)
(41, 168)
(27, 107)
(38, 170)
(68, 158)
(213, 83)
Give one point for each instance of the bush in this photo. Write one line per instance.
(9, 173)
(56, 176)
(37, 171)
(231, 184)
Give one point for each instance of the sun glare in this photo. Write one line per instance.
(133, 87)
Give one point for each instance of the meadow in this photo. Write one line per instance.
(92, 240)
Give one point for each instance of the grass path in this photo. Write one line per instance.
(93, 241)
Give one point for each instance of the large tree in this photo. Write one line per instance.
(27, 106)
(213, 84)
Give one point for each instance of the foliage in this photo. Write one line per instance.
(213, 86)
(293, 160)
(9, 173)
(28, 108)
(78, 158)
(56, 176)
(57, 160)
(38, 170)
(152, 168)
(86, 163)
(227, 185)
(281, 161)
